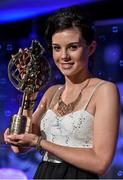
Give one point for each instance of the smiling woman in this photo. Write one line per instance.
(75, 123)
(70, 51)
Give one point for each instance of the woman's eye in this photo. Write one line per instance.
(73, 47)
(56, 48)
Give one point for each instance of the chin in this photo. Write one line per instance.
(69, 74)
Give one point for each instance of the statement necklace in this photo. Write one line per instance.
(63, 108)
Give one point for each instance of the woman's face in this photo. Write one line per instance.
(70, 52)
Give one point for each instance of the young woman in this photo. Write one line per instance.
(76, 124)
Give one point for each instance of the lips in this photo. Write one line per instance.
(66, 65)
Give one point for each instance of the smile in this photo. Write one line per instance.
(66, 65)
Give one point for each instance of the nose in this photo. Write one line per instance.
(64, 55)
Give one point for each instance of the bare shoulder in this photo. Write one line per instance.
(107, 89)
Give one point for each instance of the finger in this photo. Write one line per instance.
(9, 141)
(14, 137)
(7, 132)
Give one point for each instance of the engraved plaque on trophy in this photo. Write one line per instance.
(28, 71)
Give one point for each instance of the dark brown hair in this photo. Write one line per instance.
(69, 18)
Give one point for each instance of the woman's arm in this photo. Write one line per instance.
(106, 123)
(31, 138)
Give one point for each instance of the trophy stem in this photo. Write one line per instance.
(22, 104)
(19, 122)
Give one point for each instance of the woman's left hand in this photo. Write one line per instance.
(27, 140)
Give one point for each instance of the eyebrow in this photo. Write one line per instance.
(67, 44)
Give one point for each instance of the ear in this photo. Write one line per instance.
(92, 48)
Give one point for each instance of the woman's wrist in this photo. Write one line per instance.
(39, 143)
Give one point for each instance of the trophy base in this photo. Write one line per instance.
(19, 124)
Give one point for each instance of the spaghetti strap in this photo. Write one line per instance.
(85, 106)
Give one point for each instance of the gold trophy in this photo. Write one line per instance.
(28, 71)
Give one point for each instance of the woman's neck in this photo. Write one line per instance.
(76, 81)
